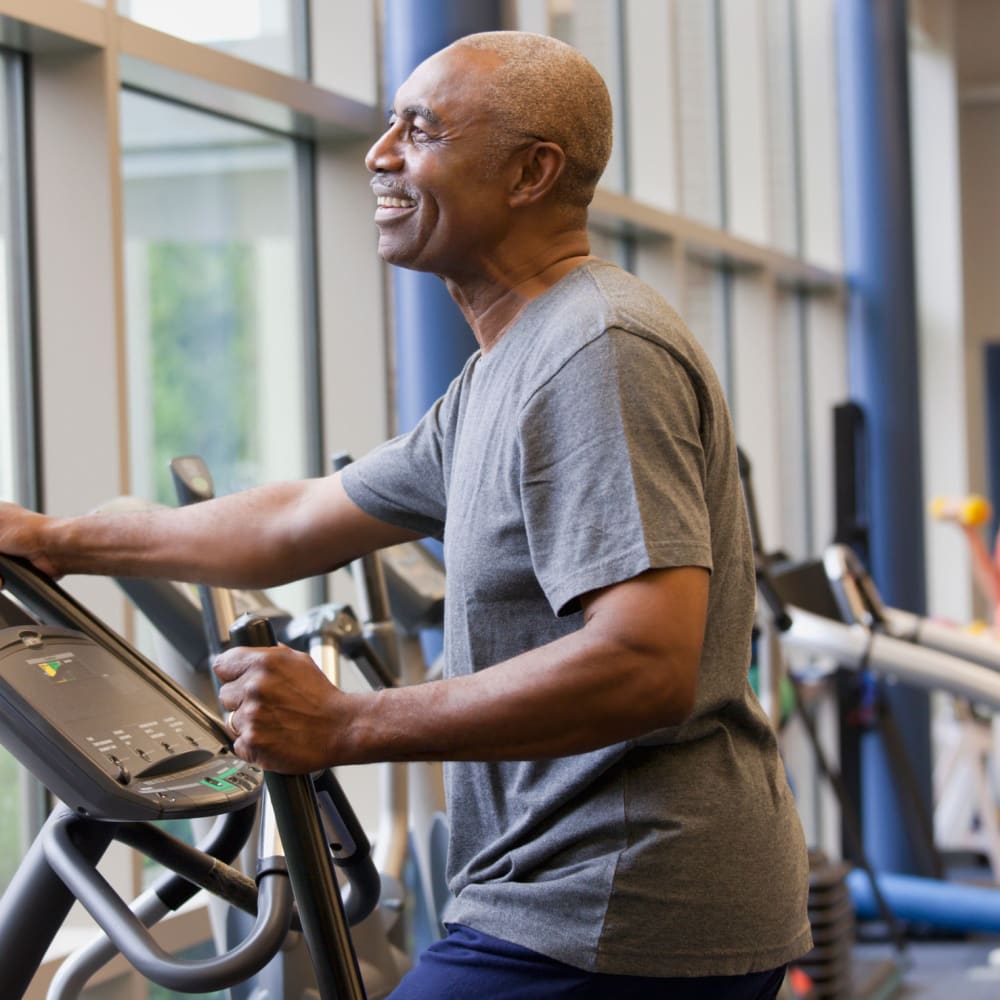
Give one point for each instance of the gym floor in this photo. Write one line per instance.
(938, 969)
(939, 966)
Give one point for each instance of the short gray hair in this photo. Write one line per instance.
(546, 89)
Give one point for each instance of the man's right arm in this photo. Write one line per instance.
(257, 538)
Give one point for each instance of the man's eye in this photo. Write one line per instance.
(408, 131)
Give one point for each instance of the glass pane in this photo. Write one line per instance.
(793, 410)
(782, 116)
(705, 312)
(698, 91)
(18, 791)
(650, 101)
(8, 418)
(743, 72)
(268, 32)
(815, 26)
(10, 847)
(214, 299)
(592, 27)
(610, 247)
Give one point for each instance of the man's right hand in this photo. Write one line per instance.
(21, 534)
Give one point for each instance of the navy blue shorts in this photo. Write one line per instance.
(468, 965)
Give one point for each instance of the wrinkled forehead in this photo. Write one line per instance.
(451, 84)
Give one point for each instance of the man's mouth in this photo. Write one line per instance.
(393, 201)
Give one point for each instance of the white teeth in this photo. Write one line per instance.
(384, 201)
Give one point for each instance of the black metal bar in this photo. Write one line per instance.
(314, 884)
(308, 859)
(37, 902)
(135, 942)
(850, 820)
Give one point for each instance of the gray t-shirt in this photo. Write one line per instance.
(591, 443)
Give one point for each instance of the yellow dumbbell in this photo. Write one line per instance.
(970, 512)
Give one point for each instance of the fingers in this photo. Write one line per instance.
(233, 663)
(246, 673)
(278, 708)
(230, 670)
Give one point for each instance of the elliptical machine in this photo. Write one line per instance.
(328, 633)
(121, 744)
(399, 594)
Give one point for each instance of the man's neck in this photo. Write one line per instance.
(491, 303)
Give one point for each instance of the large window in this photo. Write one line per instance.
(6, 326)
(172, 272)
(217, 311)
(271, 33)
(720, 107)
(217, 299)
(8, 770)
(20, 798)
(15, 379)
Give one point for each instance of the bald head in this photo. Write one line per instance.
(543, 88)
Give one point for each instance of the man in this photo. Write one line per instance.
(621, 823)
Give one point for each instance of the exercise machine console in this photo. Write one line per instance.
(120, 743)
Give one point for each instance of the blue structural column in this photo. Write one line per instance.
(882, 353)
(432, 338)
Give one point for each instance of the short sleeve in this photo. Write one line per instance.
(613, 468)
(402, 481)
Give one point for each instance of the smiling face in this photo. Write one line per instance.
(441, 193)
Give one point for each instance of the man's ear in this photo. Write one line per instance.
(539, 167)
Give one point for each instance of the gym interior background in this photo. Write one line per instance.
(187, 258)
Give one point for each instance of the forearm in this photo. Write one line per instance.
(567, 697)
(231, 541)
(257, 538)
(630, 669)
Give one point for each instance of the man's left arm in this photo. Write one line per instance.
(630, 669)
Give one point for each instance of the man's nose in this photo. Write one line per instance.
(384, 154)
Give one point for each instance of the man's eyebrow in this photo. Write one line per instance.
(412, 111)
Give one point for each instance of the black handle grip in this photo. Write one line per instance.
(252, 630)
(750, 499)
(307, 855)
(767, 590)
(192, 480)
(193, 484)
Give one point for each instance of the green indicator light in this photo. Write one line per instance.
(218, 784)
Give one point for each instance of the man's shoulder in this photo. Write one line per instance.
(599, 316)
(607, 302)
(633, 304)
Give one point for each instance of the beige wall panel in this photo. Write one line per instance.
(77, 347)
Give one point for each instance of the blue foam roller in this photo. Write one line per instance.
(936, 903)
